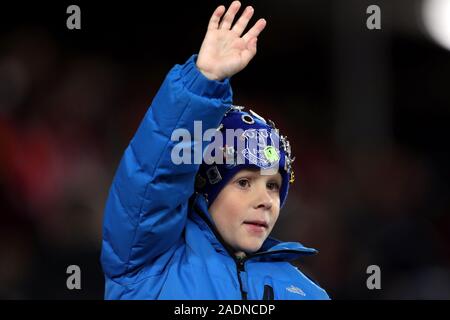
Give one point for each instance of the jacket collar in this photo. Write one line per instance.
(271, 250)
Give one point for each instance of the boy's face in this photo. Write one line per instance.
(247, 208)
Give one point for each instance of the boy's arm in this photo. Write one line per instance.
(146, 209)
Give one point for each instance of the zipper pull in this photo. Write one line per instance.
(240, 260)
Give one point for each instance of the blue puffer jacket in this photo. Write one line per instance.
(159, 241)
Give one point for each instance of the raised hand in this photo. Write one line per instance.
(224, 52)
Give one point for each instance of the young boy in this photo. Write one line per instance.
(191, 231)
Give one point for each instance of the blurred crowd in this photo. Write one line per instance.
(66, 117)
(64, 120)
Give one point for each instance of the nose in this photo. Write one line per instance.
(263, 198)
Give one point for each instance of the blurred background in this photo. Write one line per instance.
(367, 113)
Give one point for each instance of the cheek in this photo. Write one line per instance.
(227, 208)
(233, 211)
(276, 204)
(276, 210)
(233, 199)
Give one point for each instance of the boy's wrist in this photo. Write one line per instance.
(209, 75)
(199, 83)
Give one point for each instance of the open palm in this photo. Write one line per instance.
(224, 52)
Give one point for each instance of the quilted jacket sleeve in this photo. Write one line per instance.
(146, 209)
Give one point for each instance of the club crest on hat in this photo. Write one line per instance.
(260, 147)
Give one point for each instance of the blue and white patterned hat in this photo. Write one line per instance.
(245, 140)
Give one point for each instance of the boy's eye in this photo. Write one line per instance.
(273, 186)
(243, 183)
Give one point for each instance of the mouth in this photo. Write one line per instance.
(257, 223)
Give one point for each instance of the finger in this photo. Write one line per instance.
(229, 15)
(215, 18)
(240, 25)
(255, 30)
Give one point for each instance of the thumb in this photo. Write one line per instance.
(251, 45)
(250, 51)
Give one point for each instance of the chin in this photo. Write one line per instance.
(251, 248)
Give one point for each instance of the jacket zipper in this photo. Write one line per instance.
(240, 266)
(268, 292)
